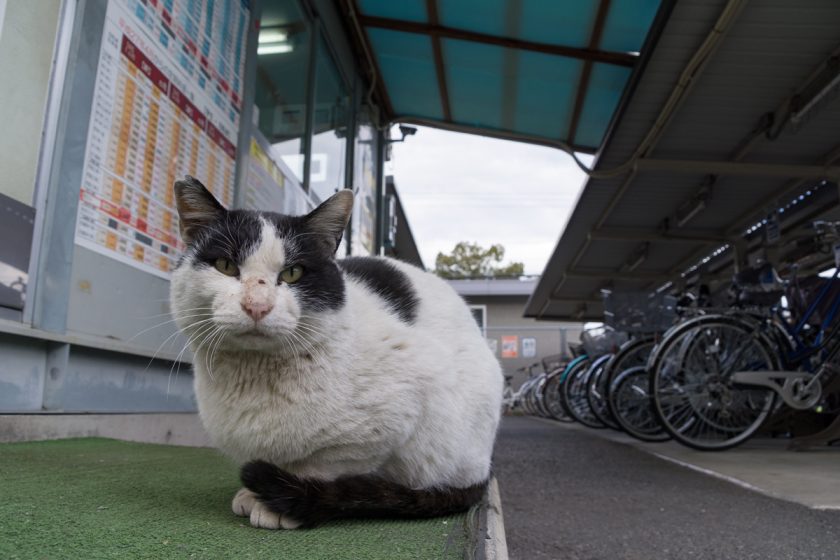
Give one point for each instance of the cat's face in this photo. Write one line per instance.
(250, 280)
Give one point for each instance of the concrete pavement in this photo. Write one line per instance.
(570, 494)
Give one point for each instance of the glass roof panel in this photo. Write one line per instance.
(408, 10)
(606, 85)
(545, 93)
(474, 76)
(627, 25)
(480, 16)
(407, 66)
(568, 23)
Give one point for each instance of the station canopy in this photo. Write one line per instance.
(727, 147)
(542, 71)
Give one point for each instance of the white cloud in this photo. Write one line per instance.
(462, 187)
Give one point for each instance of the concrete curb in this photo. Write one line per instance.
(488, 533)
(495, 543)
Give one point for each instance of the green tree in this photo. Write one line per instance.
(470, 260)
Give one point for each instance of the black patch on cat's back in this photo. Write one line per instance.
(387, 281)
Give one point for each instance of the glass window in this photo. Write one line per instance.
(479, 313)
(27, 36)
(330, 127)
(282, 70)
(364, 185)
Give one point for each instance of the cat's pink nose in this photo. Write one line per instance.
(256, 310)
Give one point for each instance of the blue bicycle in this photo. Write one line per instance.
(716, 379)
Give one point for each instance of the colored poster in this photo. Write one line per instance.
(166, 104)
(529, 347)
(265, 184)
(510, 347)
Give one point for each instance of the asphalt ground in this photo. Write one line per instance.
(568, 494)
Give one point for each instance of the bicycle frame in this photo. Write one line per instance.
(799, 385)
(803, 350)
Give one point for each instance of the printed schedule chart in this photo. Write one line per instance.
(150, 125)
(206, 39)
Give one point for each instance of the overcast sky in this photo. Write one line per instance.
(462, 187)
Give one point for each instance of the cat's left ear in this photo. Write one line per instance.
(331, 217)
(197, 208)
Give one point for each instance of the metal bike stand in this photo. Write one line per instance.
(826, 436)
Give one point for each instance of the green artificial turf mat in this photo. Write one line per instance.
(98, 498)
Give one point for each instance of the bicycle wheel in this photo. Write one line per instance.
(596, 392)
(542, 410)
(694, 397)
(633, 353)
(527, 405)
(574, 395)
(632, 405)
(554, 399)
(530, 399)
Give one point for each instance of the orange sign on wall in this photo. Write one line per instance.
(510, 347)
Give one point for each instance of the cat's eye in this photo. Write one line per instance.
(291, 274)
(226, 267)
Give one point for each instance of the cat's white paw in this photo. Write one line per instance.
(288, 523)
(243, 502)
(262, 517)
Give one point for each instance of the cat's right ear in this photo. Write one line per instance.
(197, 208)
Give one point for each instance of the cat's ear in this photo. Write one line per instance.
(197, 208)
(331, 217)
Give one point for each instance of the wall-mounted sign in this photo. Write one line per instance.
(167, 101)
(529, 347)
(510, 347)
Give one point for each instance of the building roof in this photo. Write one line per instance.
(731, 121)
(541, 71)
(494, 287)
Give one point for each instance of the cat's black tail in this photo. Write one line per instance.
(312, 502)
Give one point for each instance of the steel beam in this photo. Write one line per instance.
(611, 274)
(586, 72)
(739, 168)
(640, 234)
(594, 55)
(440, 71)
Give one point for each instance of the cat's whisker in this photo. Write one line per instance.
(170, 313)
(203, 342)
(167, 340)
(214, 349)
(317, 356)
(202, 350)
(157, 326)
(204, 329)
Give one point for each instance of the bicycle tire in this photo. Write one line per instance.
(574, 395)
(632, 404)
(553, 397)
(596, 392)
(693, 397)
(633, 353)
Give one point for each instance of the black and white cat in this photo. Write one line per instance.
(355, 387)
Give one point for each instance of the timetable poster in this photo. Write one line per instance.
(166, 104)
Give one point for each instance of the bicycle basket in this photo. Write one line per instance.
(804, 293)
(602, 340)
(553, 362)
(639, 312)
(759, 285)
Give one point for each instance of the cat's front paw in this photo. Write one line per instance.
(264, 518)
(243, 502)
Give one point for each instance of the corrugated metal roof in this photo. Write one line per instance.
(494, 286)
(534, 70)
(624, 232)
